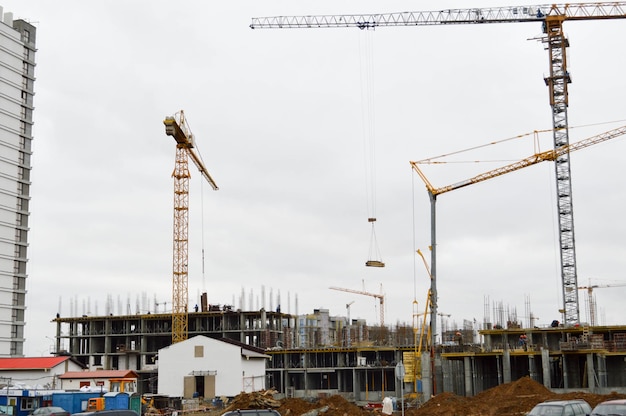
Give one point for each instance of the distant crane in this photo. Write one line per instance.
(380, 297)
(177, 127)
(548, 155)
(591, 301)
(551, 16)
(348, 311)
(349, 326)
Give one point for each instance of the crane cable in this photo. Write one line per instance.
(368, 117)
(535, 133)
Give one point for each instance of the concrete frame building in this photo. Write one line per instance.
(17, 76)
(317, 354)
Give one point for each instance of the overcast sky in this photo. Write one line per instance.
(308, 133)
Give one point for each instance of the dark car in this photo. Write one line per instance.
(121, 412)
(561, 408)
(610, 407)
(50, 411)
(252, 412)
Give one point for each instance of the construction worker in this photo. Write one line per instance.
(523, 340)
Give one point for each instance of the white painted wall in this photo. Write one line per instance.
(233, 371)
(34, 379)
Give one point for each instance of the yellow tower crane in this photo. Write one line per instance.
(177, 127)
(379, 296)
(548, 155)
(551, 16)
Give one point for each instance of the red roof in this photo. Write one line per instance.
(99, 374)
(31, 363)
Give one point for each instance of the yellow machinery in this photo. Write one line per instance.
(95, 404)
(177, 127)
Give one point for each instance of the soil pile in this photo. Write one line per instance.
(511, 399)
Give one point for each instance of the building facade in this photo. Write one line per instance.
(17, 76)
(318, 354)
(207, 367)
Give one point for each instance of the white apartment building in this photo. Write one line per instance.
(17, 76)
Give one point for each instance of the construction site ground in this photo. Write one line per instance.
(511, 399)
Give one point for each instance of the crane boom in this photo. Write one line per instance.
(553, 155)
(178, 129)
(548, 155)
(508, 14)
(552, 17)
(380, 297)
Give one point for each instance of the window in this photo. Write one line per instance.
(27, 403)
(198, 351)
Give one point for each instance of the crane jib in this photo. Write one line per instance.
(508, 14)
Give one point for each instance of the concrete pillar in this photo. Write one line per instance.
(602, 376)
(427, 385)
(356, 385)
(467, 369)
(545, 366)
(591, 373)
(532, 372)
(506, 366)
(565, 371)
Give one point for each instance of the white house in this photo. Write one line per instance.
(36, 372)
(210, 368)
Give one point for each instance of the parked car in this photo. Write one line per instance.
(561, 408)
(50, 411)
(252, 412)
(121, 412)
(610, 407)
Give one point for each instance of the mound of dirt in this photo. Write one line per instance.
(511, 399)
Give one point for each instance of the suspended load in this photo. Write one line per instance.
(375, 259)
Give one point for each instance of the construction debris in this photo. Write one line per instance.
(510, 399)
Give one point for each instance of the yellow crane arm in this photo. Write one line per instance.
(531, 160)
(380, 297)
(200, 165)
(359, 292)
(184, 138)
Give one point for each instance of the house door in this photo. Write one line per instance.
(189, 387)
(209, 386)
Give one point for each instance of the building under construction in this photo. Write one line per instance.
(317, 354)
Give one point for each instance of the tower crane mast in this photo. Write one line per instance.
(379, 296)
(551, 16)
(177, 127)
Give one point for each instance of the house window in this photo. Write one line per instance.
(84, 384)
(198, 351)
(27, 403)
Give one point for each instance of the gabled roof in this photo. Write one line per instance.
(243, 346)
(31, 363)
(99, 374)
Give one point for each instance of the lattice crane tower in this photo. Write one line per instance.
(177, 127)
